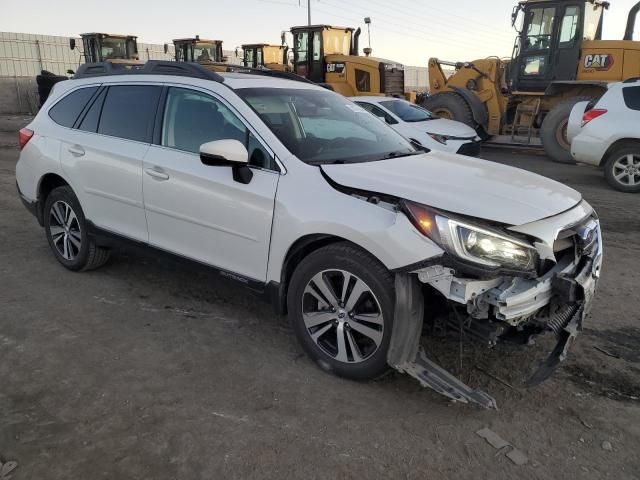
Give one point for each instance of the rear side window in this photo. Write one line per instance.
(90, 121)
(129, 112)
(66, 111)
(632, 97)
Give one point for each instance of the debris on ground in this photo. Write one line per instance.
(503, 446)
(609, 354)
(492, 438)
(517, 456)
(6, 469)
(606, 445)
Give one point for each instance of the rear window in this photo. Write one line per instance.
(129, 112)
(632, 97)
(66, 111)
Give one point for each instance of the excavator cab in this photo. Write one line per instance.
(101, 47)
(197, 50)
(550, 40)
(311, 44)
(263, 55)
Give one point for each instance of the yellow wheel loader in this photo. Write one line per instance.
(329, 55)
(197, 50)
(96, 47)
(263, 55)
(559, 58)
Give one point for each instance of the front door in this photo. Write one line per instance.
(567, 56)
(200, 211)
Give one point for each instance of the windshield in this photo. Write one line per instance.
(205, 52)
(408, 111)
(319, 126)
(114, 48)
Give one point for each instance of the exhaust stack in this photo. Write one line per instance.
(631, 22)
(355, 44)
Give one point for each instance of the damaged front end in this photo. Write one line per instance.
(548, 288)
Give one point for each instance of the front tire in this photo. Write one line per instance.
(451, 106)
(553, 132)
(341, 304)
(66, 230)
(622, 168)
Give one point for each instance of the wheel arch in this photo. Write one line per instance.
(46, 184)
(300, 249)
(617, 144)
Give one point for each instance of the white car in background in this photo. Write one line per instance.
(423, 127)
(607, 134)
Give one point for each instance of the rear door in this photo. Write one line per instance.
(567, 56)
(103, 156)
(200, 211)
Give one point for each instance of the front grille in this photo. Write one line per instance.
(582, 239)
(471, 149)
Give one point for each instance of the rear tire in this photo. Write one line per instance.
(66, 230)
(624, 163)
(451, 106)
(554, 131)
(348, 334)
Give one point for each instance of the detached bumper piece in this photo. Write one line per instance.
(433, 376)
(406, 355)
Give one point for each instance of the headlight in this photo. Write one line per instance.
(473, 243)
(439, 138)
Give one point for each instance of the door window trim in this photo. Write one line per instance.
(157, 136)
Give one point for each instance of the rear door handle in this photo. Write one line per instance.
(76, 150)
(156, 173)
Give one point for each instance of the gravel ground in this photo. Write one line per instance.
(148, 368)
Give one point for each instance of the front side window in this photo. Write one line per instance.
(129, 112)
(539, 29)
(408, 112)
(378, 112)
(193, 118)
(317, 42)
(66, 111)
(319, 126)
(569, 26)
(363, 81)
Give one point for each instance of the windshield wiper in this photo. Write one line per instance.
(400, 154)
(325, 162)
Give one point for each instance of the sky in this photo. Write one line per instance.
(407, 31)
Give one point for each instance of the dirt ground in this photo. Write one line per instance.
(148, 368)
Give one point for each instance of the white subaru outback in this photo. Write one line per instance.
(297, 192)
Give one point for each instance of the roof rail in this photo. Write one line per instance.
(267, 72)
(151, 67)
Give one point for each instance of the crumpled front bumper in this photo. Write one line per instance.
(558, 301)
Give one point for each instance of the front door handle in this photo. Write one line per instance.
(76, 150)
(156, 173)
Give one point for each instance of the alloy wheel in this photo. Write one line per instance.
(626, 170)
(65, 231)
(342, 316)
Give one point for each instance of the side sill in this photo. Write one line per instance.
(107, 239)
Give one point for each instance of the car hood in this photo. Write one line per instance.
(442, 126)
(463, 185)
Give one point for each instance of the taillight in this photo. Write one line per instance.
(592, 114)
(24, 136)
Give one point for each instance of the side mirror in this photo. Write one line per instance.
(72, 43)
(228, 153)
(166, 48)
